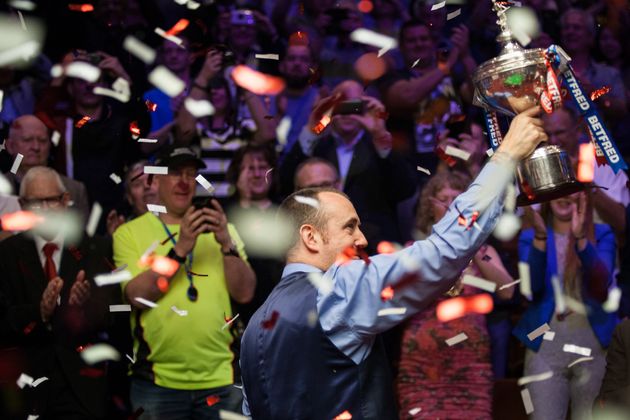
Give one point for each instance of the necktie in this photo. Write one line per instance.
(49, 264)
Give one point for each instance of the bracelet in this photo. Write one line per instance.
(540, 238)
(232, 251)
(173, 255)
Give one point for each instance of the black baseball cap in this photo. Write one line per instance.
(174, 156)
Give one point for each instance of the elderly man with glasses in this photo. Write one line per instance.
(49, 307)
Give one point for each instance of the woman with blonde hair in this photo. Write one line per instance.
(449, 381)
(571, 260)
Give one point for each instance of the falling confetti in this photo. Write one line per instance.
(180, 312)
(525, 285)
(385, 247)
(374, 39)
(479, 283)
(16, 163)
(387, 293)
(212, 400)
(120, 308)
(83, 70)
(538, 332)
(139, 49)
(179, 26)
(115, 178)
(392, 311)
(156, 170)
(95, 217)
(439, 5)
(424, 170)
(267, 56)
(572, 348)
(612, 302)
(534, 378)
(204, 183)
(599, 92)
(199, 108)
(309, 201)
(454, 308)
(83, 8)
(229, 321)
(112, 278)
(344, 416)
(146, 302)
(161, 32)
(99, 353)
(164, 265)
(586, 163)
(82, 121)
(456, 339)
(166, 81)
(151, 106)
(580, 360)
(156, 208)
(454, 14)
(507, 286)
(56, 136)
(257, 82)
(268, 324)
(141, 140)
(527, 401)
(549, 335)
(458, 153)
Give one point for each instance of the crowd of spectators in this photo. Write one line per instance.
(78, 149)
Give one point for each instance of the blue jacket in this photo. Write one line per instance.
(596, 260)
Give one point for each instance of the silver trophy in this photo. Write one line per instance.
(510, 84)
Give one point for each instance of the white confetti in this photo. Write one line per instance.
(526, 286)
(22, 21)
(257, 228)
(415, 411)
(309, 201)
(1, 98)
(479, 283)
(538, 332)
(5, 186)
(16, 163)
(32, 417)
(282, 130)
(523, 24)
(321, 282)
(131, 359)
(575, 305)
(199, 107)
(119, 308)
(20, 53)
(112, 278)
(456, 339)
(115, 178)
(392, 311)
(458, 153)
(437, 6)
(454, 14)
(375, 39)
(119, 96)
(99, 353)
(139, 49)
(166, 81)
(230, 415)
(83, 70)
(192, 5)
(141, 140)
(312, 318)
(23, 5)
(156, 208)
(572, 348)
(38, 381)
(95, 217)
(549, 335)
(156, 170)
(146, 302)
(534, 378)
(507, 286)
(56, 136)
(507, 227)
(425, 170)
(267, 56)
(527, 401)
(490, 152)
(227, 324)
(204, 183)
(612, 302)
(415, 63)
(580, 360)
(558, 295)
(149, 251)
(161, 32)
(180, 312)
(24, 380)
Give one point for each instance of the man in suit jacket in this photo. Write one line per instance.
(29, 137)
(615, 389)
(49, 310)
(373, 175)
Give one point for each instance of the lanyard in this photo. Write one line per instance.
(192, 292)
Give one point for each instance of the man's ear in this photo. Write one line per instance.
(10, 145)
(311, 238)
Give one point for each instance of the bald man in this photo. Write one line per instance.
(29, 137)
(375, 177)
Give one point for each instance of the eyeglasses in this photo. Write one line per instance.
(39, 203)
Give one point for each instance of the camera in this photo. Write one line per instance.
(227, 55)
(242, 17)
(93, 58)
(350, 107)
(201, 202)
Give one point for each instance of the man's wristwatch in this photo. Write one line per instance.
(232, 251)
(173, 255)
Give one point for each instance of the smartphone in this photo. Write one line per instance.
(351, 107)
(242, 17)
(457, 124)
(201, 202)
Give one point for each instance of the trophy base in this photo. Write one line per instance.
(568, 188)
(545, 175)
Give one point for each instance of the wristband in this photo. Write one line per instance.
(232, 251)
(173, 255)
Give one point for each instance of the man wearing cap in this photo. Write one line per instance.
(183, 362)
